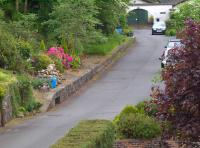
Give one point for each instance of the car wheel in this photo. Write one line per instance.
(152, 31)
(162, 65)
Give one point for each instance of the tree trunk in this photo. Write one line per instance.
(26, 6)
(17, 5)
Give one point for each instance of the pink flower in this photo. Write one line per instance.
(59, 53)
(52, 49)
(65, 55)
(69, 59)
(61, 49)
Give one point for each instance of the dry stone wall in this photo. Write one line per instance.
(6, 110)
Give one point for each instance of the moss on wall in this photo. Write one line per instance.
(20, 89)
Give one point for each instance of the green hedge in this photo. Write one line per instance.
(135, 123)
(138, 126)
(89, 134)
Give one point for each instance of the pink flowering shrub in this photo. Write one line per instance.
(60, 54)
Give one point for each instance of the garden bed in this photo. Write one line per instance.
(74, 79)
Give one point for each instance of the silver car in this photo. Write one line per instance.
(159, 28)
(172, 43)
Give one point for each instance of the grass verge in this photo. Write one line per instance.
(89, 134)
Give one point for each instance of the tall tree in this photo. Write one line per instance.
(17, 5)
(25, 6)
(72, 17)
(110, 12)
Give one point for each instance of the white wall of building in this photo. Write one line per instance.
(157, 11)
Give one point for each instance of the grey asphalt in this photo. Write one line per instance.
(127, 82)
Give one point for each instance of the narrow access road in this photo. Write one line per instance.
(127, 82)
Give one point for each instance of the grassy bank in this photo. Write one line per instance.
(106, 46)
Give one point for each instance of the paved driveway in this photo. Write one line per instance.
(127, 82)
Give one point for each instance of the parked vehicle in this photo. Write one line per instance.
(172, 43)
(159, 28)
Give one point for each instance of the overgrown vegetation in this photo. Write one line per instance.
(6, 78)
(188, 9)
(41, 61)
(20, 90)
(89, 134)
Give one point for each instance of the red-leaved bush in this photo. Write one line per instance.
(179, 102)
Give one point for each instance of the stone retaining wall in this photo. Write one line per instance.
(6, 110)
(64, 91)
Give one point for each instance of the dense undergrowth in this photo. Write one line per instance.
(6, 78)
(19, 89)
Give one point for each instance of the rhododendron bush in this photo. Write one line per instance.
(179, 102)
(60, 54)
